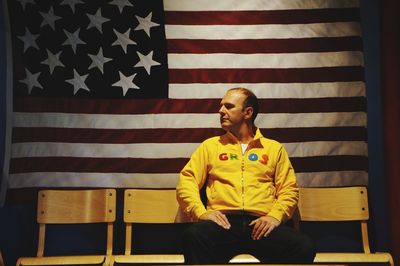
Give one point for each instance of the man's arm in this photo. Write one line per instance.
(287, 195)
(191, 179)
(287, 191)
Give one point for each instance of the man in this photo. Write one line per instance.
(251, 192)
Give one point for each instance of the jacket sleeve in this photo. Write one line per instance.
(287, 192)
(191, 179)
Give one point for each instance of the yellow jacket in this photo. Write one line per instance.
(259, 182)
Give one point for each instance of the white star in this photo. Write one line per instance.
(146, 24)
(31, 80)
(146, 61)
(121, 4)
(29, 40)
(123, 39)
(125, 82)
(97, 20)
(73, 39)
(71, 3)
(78, 82)
(52, 61)
(24, 2)
(49, 18)
(99, 60)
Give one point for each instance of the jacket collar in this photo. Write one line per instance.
(255, 143)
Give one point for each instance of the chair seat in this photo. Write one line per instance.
(323, 257)
(244, 258)
(153, 258)
(62, 260)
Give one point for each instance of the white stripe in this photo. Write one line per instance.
(270, 90)
(212, 5)
(170, 150)
(72, 179)
(169, 180)
(311, 120)
(330, 148)
(332, 179)
(291, 60)
(96, 150)
(234, 32)
(149, 121)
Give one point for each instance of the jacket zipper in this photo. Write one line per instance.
(243, 156)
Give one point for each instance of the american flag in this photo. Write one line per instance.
(119, 93)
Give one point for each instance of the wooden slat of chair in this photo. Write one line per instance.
(341, 204)
(73, 207)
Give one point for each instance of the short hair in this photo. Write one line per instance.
(250, 101)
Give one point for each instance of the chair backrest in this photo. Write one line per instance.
(333, 204)
(76, 207)
(336, 204)
(150, 206)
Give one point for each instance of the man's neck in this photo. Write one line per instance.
(245, 134)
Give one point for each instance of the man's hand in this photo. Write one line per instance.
(263, 226)
(217, 217)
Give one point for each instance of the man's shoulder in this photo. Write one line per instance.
(212, 140)
(270, 142)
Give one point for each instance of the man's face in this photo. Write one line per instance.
(232, 112)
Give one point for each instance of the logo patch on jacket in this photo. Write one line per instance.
(252, 157)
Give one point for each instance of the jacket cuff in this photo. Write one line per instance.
(277, 215)
(197, 212)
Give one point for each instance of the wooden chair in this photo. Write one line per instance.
(341, 204)
(147, 206)
(73, 207)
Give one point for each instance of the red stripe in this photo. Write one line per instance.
(189, 135)
(96, 165)
(299, 16)
(301, 75)
(138, 165)
(353, 43)
(330, 163)
(308, 105)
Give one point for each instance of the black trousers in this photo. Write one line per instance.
(205, 242)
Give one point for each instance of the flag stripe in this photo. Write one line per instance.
(261, 17)
(183, 5)
(187, 135)
(299, 45)
(171, 150)
(167, 165)
(166, 180)
(197, 106)
(333, 178)
(105, 121)
(327, 74)
(292, 60)
(274, 31)
(265, 91)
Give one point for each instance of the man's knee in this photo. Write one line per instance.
(197, 230)
(306, 249)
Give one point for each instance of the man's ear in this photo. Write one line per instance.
(248, 112)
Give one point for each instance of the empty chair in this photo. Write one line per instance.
(59, 207)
